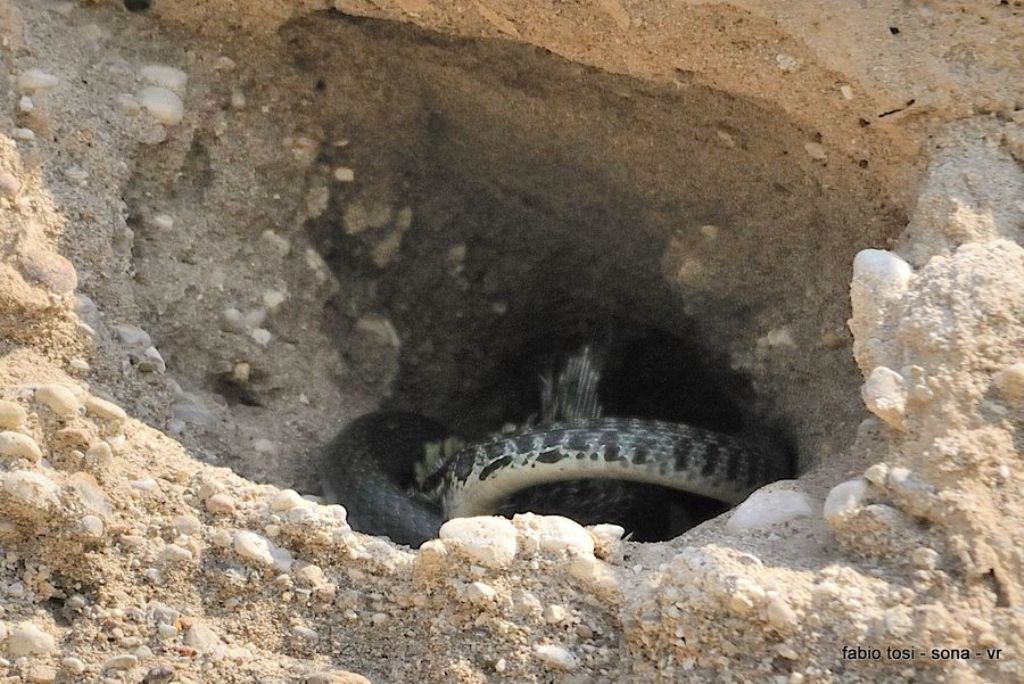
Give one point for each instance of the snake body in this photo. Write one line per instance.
(580, 462)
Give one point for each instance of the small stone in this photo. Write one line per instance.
(164, 76)
(238, 99)
(159, 674)
(26, 104)
(27, 638)
(607, 538)
(49, 269)
(36, 80)
(786, 62)
(344, 174)
(132, 337)
(152, 361)
(164, 106)
(12, 415)
(220, 504)
(847, 91)
(305, 634)
(815, 151)
(201, 637)
(885, 394)
(553, 614)
(9, 185)
(162, 221)
(489, 541)
(710, 232)
(846, 496)
(25, 134)
(58, 399)
(925, 558)
(780, 615)
(286, 499)
(146, 484)
(125, 661)
(877, 474)
(17, 445)
(232, 321)
(769, 506)
(261, 336)
(556, 657)
(1010, 382)
(553, 533)
(128, 102)
(479, 592)
(166, 631)
(187, 525)
(172, 553)
(31, 490)
(79, 365)
(107, 410)
(91, 527)
(272, 299)
(381, 328)
(72, 665)
(261, 550)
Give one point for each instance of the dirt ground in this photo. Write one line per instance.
(227, 228)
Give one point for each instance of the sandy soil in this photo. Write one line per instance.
(228, 227)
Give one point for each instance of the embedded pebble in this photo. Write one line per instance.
(553, 614)
(479, 592)
(261, 336)
(606, 538)
(344, 174)
(232, 321)
(305, 634)
(159, 674)
(163, 104)
(125, 661)
(1010, 382)
(132, 336)
(780, 615)
(844, 497)
(201, 637)
(12, 415)
(164, 76)
(769, 506)
(107, 410)
(490, 541)
(25, 134)
(556, 657)
(31, 490)
(335, 677)
(34, 80)
(162, 221)
(17, 445)
(273, 299)
(58, 399)
(286, 499)
(259, 549)
(172, 553)
(152, 361)
(885, 394)
(815, 151)
(553, 533)
(41, 674)
(49, 269)
(91, 527)
(220, 504)
(72, 665)
(26, 104)
(27, 638)
(877, 474)
(9, 185)
(925, 558)
(128, 102)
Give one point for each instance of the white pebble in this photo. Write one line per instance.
(201, 637)
(58, 399)
(273, 299)
(881, 269)
(305, 634)
(91, 527)
(164, 76)
(780, 615)
(128, 102)
(27, 638)
(125, 661)
(25, 134)
(152, 361)
(769, 506)
(220, 504)
(261, 336)
(885, 394)
(489, 541)
(877, 474)
(172, 553)
(17, 445)
(34, 80)
(32, 490)
(479, 592)
(846, 496)
(553, 533)
(815, 151)
(107, 410)
(259, 549)
(162, 104)
(553, 614)
(162, 221)
(12, 415)
(606, 537)
(556, 657)
(1010, 382)
(925, 557)
(72, 665)
(132, 336)
(285, 500)
(26, 104)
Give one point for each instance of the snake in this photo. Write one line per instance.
(400, 475)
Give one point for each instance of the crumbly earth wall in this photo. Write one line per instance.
(128, 552)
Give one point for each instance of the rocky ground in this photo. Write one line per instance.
(226, 228)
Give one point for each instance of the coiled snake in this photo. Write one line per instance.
(371, 465)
